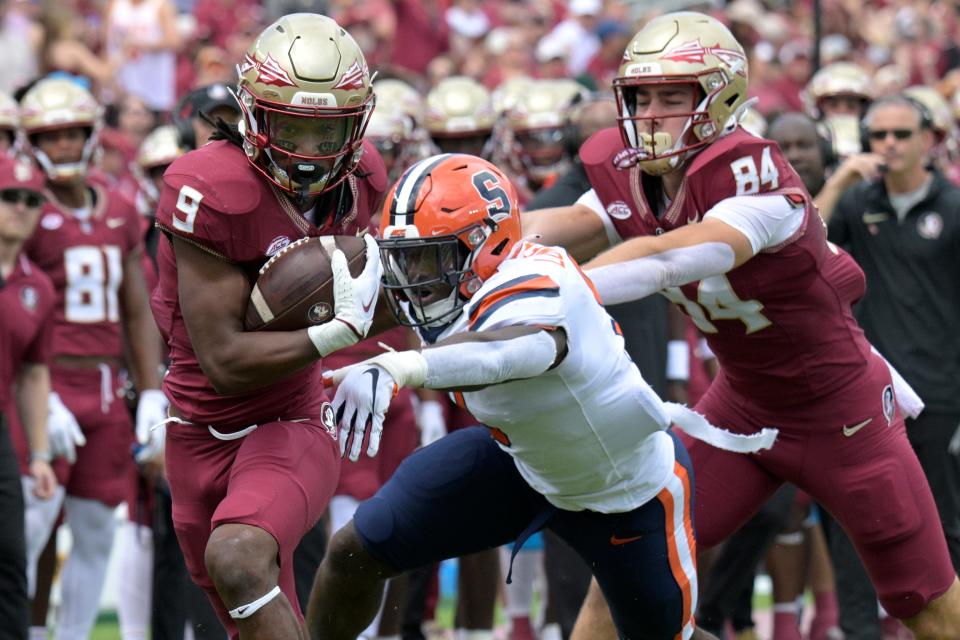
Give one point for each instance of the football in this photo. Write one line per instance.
(294, 288)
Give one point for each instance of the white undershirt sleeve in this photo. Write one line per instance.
(591, 200)
(767, 220)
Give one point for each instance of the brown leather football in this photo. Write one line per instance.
(295, 287)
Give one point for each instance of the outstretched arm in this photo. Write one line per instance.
(731, 233)
(465, 362)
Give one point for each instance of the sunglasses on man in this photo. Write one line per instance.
(881, 134)
(14, 196)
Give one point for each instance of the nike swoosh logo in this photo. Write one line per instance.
(113, 223)
(615, 541)
(366, 307)
(375, 377)
(849, 431)
(242, 610)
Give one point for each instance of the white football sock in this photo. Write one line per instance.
(38, 633)
(527, 566)
(474, 634)
(135, 578)
(39, 517)
(92, 524)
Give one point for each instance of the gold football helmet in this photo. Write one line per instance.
(837, 80)
(156, 152)
(306, 98)
(680, 48)
(460, 116)
(394, 127)
(56, 103)
(539, 125)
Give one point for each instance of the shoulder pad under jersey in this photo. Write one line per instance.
(221, 172)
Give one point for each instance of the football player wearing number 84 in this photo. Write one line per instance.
(688, 204)
(576, 441)
(252, 458)
(88, 241)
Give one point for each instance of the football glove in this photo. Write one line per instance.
(63, 430)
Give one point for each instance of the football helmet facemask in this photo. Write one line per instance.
(682, 48)
(446, 226)
(306, 98)
(57, 103)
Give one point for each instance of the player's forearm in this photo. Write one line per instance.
(635, 278)
(576, 229)
(474, 360)
(145, 351)
(33, 390)
(244, 361)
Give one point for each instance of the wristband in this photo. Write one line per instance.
(41, 456)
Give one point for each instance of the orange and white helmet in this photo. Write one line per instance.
(9, 120)
(460, 115)
(57, 103)
(688, 48)
(446, 225)
(306, 98)
(840, 79)
(540, 126)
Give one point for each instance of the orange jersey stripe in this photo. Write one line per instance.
(541, 283)
(673, 555)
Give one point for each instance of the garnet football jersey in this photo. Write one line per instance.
(214, 199)
(27, 299)
(780, 324)
(84, 258)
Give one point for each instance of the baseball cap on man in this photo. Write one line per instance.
(19, 174)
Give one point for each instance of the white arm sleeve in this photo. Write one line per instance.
(591, 200)
(468, 364)
(767, 220)
(635, 279)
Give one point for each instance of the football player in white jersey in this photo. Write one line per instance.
(577, 441)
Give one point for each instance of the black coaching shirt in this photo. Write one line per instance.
(911, 310)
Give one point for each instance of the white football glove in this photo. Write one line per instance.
(363, 396)
(433, 426)
(63, 430)
(154, 448)
(151, 411)
(354, 302)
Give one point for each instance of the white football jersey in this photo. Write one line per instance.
(589, 433)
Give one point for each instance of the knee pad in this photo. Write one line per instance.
(247, 610)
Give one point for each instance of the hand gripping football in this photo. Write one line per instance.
(295, 286)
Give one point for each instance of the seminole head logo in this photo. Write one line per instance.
(694, 52)
(268, 71)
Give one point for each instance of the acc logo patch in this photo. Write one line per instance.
(277, 244)
(51, 221)
(619, 209)
(328, 420)
(29, 298)
(930, 225)
(889, 405)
